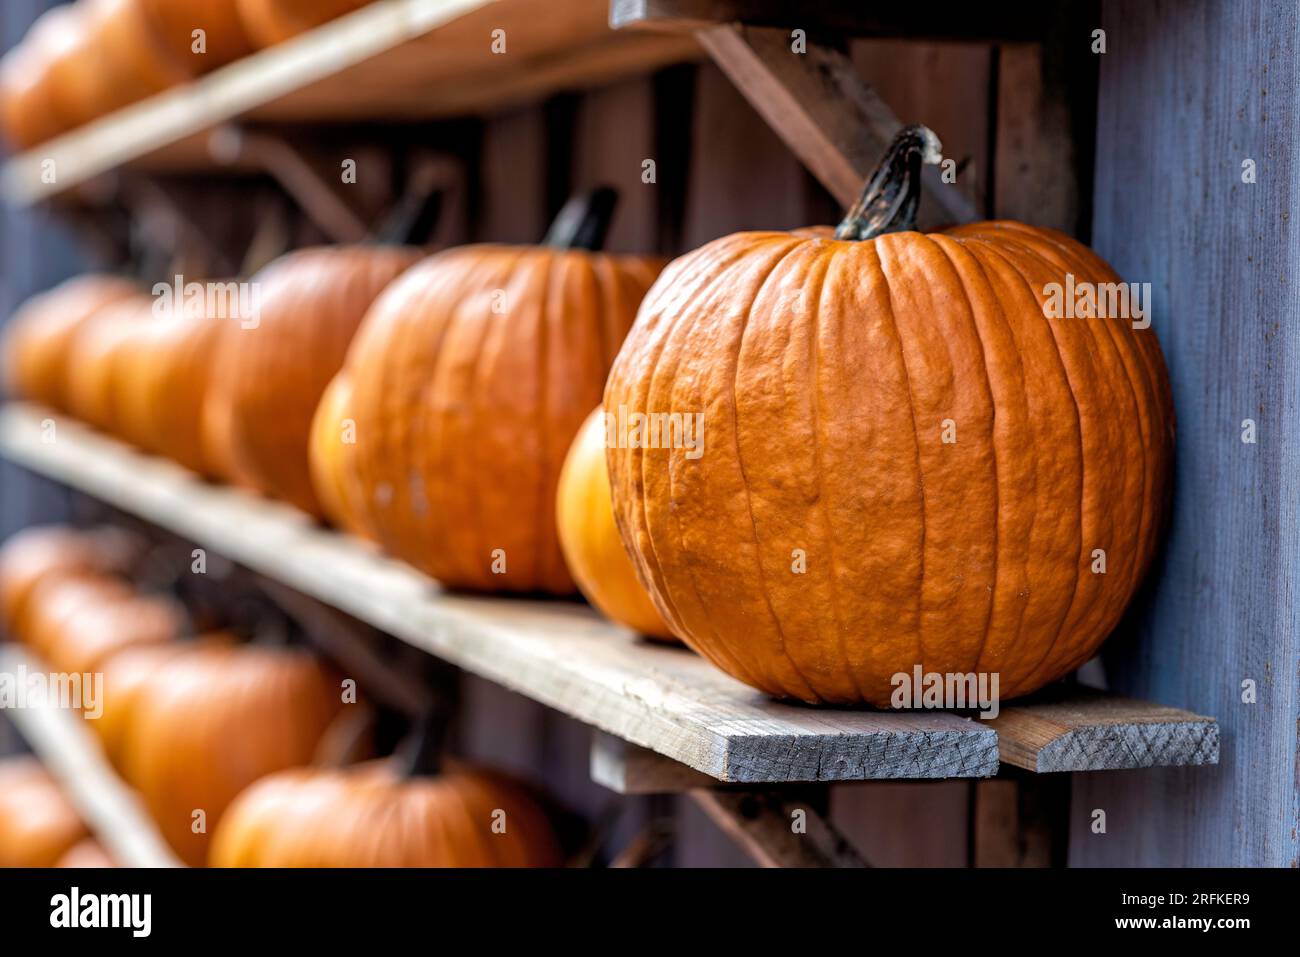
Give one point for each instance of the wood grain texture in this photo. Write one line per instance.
(559, 654)
(67, 748)
(1187, 94)
(817, 102)
(1087, 731)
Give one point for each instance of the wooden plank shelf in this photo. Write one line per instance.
(563, 655)
(392, 60)
(64, 743)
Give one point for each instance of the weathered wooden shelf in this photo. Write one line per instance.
(565, 656)
(391, 60)
(64, 743)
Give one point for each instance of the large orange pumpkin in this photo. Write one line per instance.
(37, 823)
(211, 721)
(135, 59)
(589, 538)
(906, 462)
(270, 22)
(374, 816)
(29, 113)
(39, 334)
(126, 672)
(470, 377)
(273, 375)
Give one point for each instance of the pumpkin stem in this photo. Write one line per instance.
(422, 749)
(412, 221)
(889, 199)
(584, 220)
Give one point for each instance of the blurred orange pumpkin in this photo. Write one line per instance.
(373, 816)
(592, 547)
(86, 853)
(332, 441)
(38, 336)
(174, 23)
(37, 823)
(43, 552)
(29, 113)
(311, 303)
(211, 721)
(270, 22)
(95, 359)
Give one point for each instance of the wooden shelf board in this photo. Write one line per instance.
(393, 60)
(565, 656)
(64, 743)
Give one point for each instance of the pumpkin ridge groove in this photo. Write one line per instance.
(722, 647)
(1130, 354)
(916, 445)
(993, 445)
(744, 477)
(1083, 467)
(814, 341)
(1103, 623)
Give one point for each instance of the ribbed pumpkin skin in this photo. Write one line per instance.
(212, 721)
(470, 377)
(174, 23)
(58, 599)
(270, 22)
(368, 816)
(589, 538)
(312, 302)
(136, 62)
(38, 825)
(40, 333)
(126, 672)
(826, 370)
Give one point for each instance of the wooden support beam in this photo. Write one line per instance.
(1019, 820)
(626, 768)
(777, 830)
(817, 102)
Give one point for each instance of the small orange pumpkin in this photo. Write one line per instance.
(273, 375)
(331, 818)
(211, 721)
(330, 447)
(39, 334)
(38, 825)
(44, 552)
(270, 22)
(95, 357)
(832, 535)
(58, 598)
(592, 547)
(90, 634)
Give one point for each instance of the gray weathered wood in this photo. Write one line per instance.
(67, 748)
(764, 825)
(826, 113)
(1089, 731)
(1188, 93)
(628, 769)
(558, 653)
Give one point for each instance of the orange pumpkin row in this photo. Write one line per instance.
(83, 60)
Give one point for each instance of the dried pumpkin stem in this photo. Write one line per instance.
(422, 749)
(584, 220)
(892, 194)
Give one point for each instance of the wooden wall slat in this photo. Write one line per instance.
(1187, 93)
